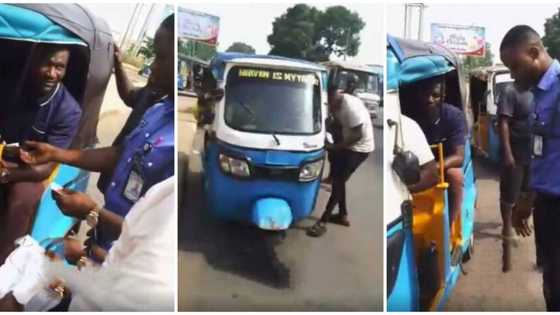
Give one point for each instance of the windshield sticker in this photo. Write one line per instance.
(278, 76)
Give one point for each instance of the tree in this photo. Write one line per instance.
(241, 48)
(307, 33)
(196, 49)
(147, 49)
(551, 39)
(340, 29)
(294, 32)
(471, 62)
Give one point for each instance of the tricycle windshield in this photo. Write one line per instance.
(367, 82)
(264, 100)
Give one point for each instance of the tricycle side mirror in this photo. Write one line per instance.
(405, 163)
(407, 167)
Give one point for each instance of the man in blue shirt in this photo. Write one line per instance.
(523, 52)
(143, 159)
(44, 111)
(441, 122)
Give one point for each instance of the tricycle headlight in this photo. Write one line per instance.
(234, 166)
(310, 171)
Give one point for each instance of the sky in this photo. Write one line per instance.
(252, 23)
(118, 15)
(497, 19)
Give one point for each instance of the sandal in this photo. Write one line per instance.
(317, 229)
(339, 219)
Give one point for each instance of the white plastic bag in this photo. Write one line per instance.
(23, 274)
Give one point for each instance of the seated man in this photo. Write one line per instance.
(444, 123)
(44, 112)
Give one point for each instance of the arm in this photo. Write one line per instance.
(9, 304)
(79, 205)
(506, 110)
(356, 134)
(456, 158)
(428, 177)
(98, 253)
(95, 160)
(456, 140)
(29, 173)
(124, 86)
(111, 222)
(505, 137)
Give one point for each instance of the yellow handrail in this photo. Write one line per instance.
(439, 147)
(2, 145)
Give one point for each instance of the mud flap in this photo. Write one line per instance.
(271, 214)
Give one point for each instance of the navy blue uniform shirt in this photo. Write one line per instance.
(545, 169)
(450, 128)
(53, 119)
(147, 157)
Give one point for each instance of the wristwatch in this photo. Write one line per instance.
(4, 174)
(92, 218)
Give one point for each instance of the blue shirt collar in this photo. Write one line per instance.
(550, 76)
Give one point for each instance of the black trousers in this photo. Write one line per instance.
(547, 236)
(344, 164)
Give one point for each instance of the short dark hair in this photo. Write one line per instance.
(517, 35)
(169, 23)
(46, 49)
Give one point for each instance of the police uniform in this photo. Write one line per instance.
(147, 158)
(545, 179)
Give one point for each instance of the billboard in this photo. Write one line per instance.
(198, 26)
(465, 40)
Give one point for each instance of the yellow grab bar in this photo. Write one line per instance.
(441, 163)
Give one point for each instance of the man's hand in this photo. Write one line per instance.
(520, 221)
(509, 161)
(73, 250)
(330, 146)
(38, 153)
(117, 57)
(73, 203)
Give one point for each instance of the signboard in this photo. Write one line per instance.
(261, 74)
(198, 26)
(465, 40)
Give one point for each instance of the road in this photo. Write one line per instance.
(226, 266)
(486, 287)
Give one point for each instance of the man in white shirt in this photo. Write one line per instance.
(415, 142)
(137, 275)
(349, 153)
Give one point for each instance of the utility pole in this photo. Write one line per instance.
(143, 30)
(135, 21)
(420, 20)
(409, 9)
(125, 35)
(347, 43)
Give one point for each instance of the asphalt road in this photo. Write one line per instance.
(486, 287)
(226, 266)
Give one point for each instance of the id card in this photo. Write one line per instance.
(134, 186)
(537, 145)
